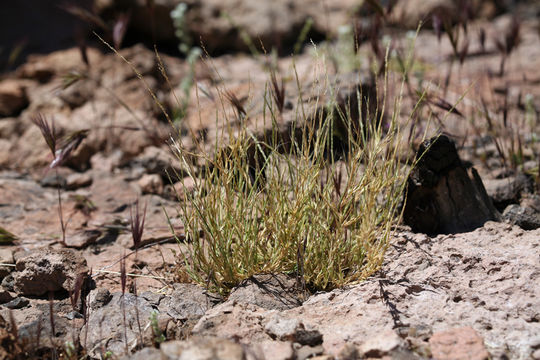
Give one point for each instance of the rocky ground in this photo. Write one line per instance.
(468, 295)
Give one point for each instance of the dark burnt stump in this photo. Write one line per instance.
(442, 197)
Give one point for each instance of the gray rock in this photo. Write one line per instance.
(53, 180)
(106, 325)
(187, 302)
(148, 353)
(306, 352)
(43, 271)
(34, 322)
(274, 350)
(198, 348)
(8, 282)
(77, 180)
(153, 298)
(290, 329)
(508, 190)
(310, 337)
(99, 298)
(524, 217)
(159, 161)
(381, 345)
(272, 292)
(17, 303)
(282, 328)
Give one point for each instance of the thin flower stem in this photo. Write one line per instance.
(60, 212)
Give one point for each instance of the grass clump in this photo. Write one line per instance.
(296, 204)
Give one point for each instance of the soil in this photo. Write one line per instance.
(468, 294)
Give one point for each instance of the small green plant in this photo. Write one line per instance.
(70, 350)
(159, 337)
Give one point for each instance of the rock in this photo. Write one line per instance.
(458, 343)
(5, 296)
(234, 320)
(524, 217)
(509, 190)
(106, 324)
(43, 67)
(148, 353)
(8, 282)
(12, 97)
(441, 281)
(272, 292)
(283, 329)
(187, 302)
(48, 270)
(274, 350)
(348, 352)
(381, 345)
(310, 337)
(441, 197)
(106, 163)
(5, 147)
(53, 180)
(17, 303)
(290, 329)
(159, 161)
(10, 128)
(198, 348)
(34, 321)
(99, 298)
(307, 352)
(82, 238)
(151, 184)
(78, 93)
(6, 259)
(77, 180)
(531, 201)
